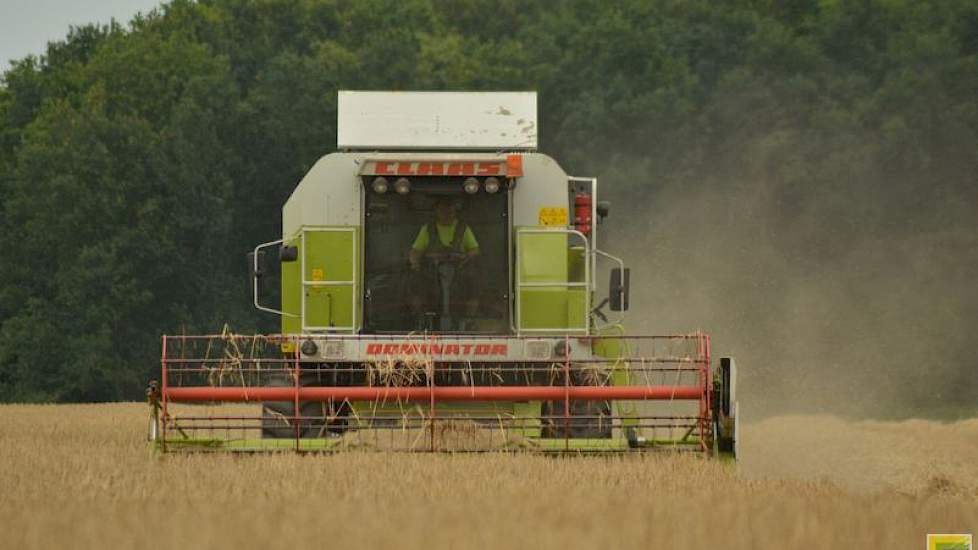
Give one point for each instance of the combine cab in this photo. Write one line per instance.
(439, 290)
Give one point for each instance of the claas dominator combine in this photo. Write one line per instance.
(441, 288)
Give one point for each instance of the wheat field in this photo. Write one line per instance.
(81, 476)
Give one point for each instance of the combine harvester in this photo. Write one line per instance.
(440, 292)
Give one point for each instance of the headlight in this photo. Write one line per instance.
(379, 185)
(402, 186)
(492, 184)
(561, 349)
(471, 186)
(309, 348)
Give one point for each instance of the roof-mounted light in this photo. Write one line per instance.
(379, 185)
(402, 186)
(471, 186)
(491, 185)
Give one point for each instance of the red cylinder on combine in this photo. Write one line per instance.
(582, 212)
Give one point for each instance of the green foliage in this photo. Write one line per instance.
(139, 164)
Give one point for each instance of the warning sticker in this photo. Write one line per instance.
(553, 215)
(317, 274)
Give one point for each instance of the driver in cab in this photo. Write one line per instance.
(453, 235)
(445, 236)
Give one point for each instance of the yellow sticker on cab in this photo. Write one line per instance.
(317, 274)
(553, 215)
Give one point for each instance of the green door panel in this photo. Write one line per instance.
(548, 264)
(329, 255)
(328, 263)
(543, 257)
(329, 306)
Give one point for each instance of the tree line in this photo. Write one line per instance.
(139, 162)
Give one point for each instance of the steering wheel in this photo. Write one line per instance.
(440, 258)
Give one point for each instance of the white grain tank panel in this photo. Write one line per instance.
(543, 185)
(329, 194)
(437, 120)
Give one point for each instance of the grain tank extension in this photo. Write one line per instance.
(441, 285)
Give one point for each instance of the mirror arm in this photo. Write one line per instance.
(598, 311)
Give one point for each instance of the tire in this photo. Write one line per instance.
(577, 427)
(278, 417)
(724, 410)
(588, 419)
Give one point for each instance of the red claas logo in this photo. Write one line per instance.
(460, 349)
(395, 168)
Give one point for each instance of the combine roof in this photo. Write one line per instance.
(467, 121)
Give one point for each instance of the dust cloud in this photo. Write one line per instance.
(823, 311)
(850, 308)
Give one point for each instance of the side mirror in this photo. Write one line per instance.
(288, 253)
(618, 289)
(252, 272)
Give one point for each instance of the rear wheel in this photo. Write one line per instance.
(585, 420)
(725, 408)
(582, 419)
(317, 418)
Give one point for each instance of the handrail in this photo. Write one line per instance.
(254, 280)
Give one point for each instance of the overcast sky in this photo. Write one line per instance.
(26, 26)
